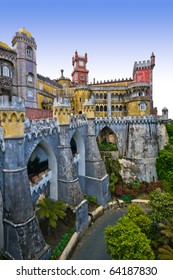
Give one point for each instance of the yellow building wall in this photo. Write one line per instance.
(65, 82)
(13, 123)
(133, 108)
(79, 98)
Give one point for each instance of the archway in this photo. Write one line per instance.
(78, 151)
(107, 140)
(44, 178)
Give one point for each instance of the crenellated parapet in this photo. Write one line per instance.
(12, 116)
(15, 103)
(126, 120)
(40, 127)
(77, 120)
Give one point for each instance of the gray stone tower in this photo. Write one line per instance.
(25, 46)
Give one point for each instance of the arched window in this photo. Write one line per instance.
(29, 52)
(30, 78)
(97, 108)
(101, 108)
(105, 96)
(97, 96)
(105, 108)
(143, 106)
(120, 108)
(6, 71)
(101, 96)
(112, 108)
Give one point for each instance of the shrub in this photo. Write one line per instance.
(125, 241)
(59, 248)
(139, 217)
(126, 197)
(161, 205)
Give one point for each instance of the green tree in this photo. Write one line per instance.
(139, 217)
(161, 205)
(125, 241)
(50, 211)
(164, 163)
(166, 251)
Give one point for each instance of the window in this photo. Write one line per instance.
(30, 78)
(30, 93)
(29, 52)
(6, 71)
(143, 106)
(81, 77)
(41, 86)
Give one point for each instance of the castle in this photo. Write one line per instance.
(58, 121)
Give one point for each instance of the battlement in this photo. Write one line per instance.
(138, 84)
(112, 81)
(126, 120)
(61, 102)
(78, 120)
(143, 63)
(40, 127)
(16, 103)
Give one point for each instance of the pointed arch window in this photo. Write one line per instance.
(30, 78)
(29, 52)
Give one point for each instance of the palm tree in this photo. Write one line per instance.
(51, 211)
(166, 252)
(167, 228)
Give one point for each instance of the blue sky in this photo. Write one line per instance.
(114, 33)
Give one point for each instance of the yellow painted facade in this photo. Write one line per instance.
(62, 114)
(13, 123)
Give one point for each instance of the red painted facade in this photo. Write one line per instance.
(34, 113)
(142, 75)
(80, 73)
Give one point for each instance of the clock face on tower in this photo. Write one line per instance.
(81, 63)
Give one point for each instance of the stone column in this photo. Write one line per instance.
(97, 180)
(68, 185)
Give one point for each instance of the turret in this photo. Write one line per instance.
(12, 115)
(80, 73)
(62, 110)
(25, 46)
(152, 60)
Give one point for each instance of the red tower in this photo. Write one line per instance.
(80, 73)
(143, 72)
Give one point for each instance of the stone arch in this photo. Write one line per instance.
(80, 155)
(108, 135)
(52, 165)
(1, 224)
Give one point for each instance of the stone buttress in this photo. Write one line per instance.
(22, 236)
(96, 179)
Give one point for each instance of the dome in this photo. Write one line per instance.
(5, 46)
(27, 33)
